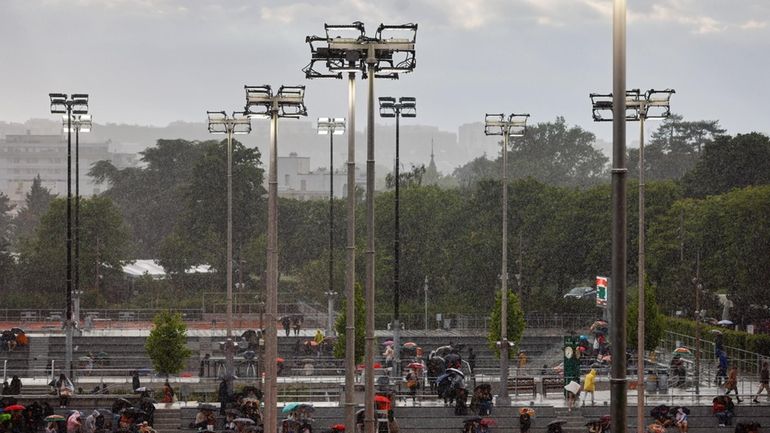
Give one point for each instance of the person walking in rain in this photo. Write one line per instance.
(286, 323)
(589, 385)
(764, 381)
(731, 384)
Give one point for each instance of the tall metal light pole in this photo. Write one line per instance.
(405, 107)
(426, 305)
(79, 123)
(331, 126)
(698, 287)
(383, 56)
(289, 102)
(514, 125)
(617, 104)
(220, 123)
(653, 104)
(76, 104)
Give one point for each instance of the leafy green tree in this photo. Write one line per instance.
(36, 204)
(515, 322)
(674, 147)
(653, 320)
(6, 261)
(167, 343)
(360, 328)
(729, 163)
(412, 177)
(104, 247)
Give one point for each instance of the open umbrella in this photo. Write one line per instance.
(527, 410)
(338, 427)
(381, 399)
(13, 407)
(289, 407)
(388, 343)
(725, 323)
(715, 331)
(410, 344)
(244, 420)
(489, 422)
(54, 418)
(5, 417)
(416, 366)
(682, 350)
(456, 371)
(279, 360)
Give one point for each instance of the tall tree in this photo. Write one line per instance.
(36, 203)
(6, 261)
(674, 147)
(729, 163)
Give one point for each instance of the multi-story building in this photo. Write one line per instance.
(296, 180)
(25, 156)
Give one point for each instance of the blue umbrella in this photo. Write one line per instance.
(289, 407)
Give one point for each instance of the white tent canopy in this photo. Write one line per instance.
(153, 269)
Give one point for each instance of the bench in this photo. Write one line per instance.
(522, 384)
(552, 384)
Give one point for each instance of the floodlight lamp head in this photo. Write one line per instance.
(217, 122)
(601, 106)
(517, 125)
(291, 101)
(83, 122)
(58, 103)
(79, 103)
(331, 125)
(493, 124)
(241, 123)
(259, 101)
(658, 103)
(408, 106)
(388, 106)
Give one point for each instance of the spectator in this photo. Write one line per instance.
(135, 384)
(286, 322)
(15, 385)
(722, 368)
(168, 393)
(65, 389)
(764, 381)
(680, 419)
(723, 408)
(589, 385)
(732, 382)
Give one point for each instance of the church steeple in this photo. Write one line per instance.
(431, 173)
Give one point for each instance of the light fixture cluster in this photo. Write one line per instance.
(513, 125)
(652, 104)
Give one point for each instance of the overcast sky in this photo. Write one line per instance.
(156, 61)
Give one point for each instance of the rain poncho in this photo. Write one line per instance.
(589, 384)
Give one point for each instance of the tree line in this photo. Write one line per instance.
(711, 201)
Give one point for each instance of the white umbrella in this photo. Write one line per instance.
(725, 323)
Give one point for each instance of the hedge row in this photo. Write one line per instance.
(759, 343)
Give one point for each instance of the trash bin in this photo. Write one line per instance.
(651, 382)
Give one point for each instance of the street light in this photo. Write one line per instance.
(331, 126)
(75, 104)
(346, 48)
(79, 123)
(261, 102)
(405, 107)
(652, 105)
(514, 125)
(220, 123)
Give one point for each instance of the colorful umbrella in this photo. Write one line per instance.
(53, 418)
(410, 344)
(279, 360)
(289, 407)
(381, 399)
(416, 366)
(682, 350)
(5, 416)
(527, 410)
(14, 407)
(388, 343)
(338, 427)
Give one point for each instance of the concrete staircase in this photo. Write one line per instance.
(167, 420)
(575, 420)
(38, 356)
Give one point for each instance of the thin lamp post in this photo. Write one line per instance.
(76, 104)
(331, 126)
(405, 107)
(261, 102)
(653, 104)
(513, 125)
(220, 123)
(80, 123)
(381, 56)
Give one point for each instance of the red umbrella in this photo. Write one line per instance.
(381, 399)
(278, 359)
(489, 422)
(415, 366)
(377, 365)
(338, 427)
(13, 407)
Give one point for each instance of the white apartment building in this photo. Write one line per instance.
(25, 156)
(295, 180)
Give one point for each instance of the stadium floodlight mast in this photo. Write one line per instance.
(617, 303)
(405, 107)
(650, 105)
(390, 52)
(75, 104)
(79, 123)
(331, 126)
(513, 125)
(220, 123)
(262, 103)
